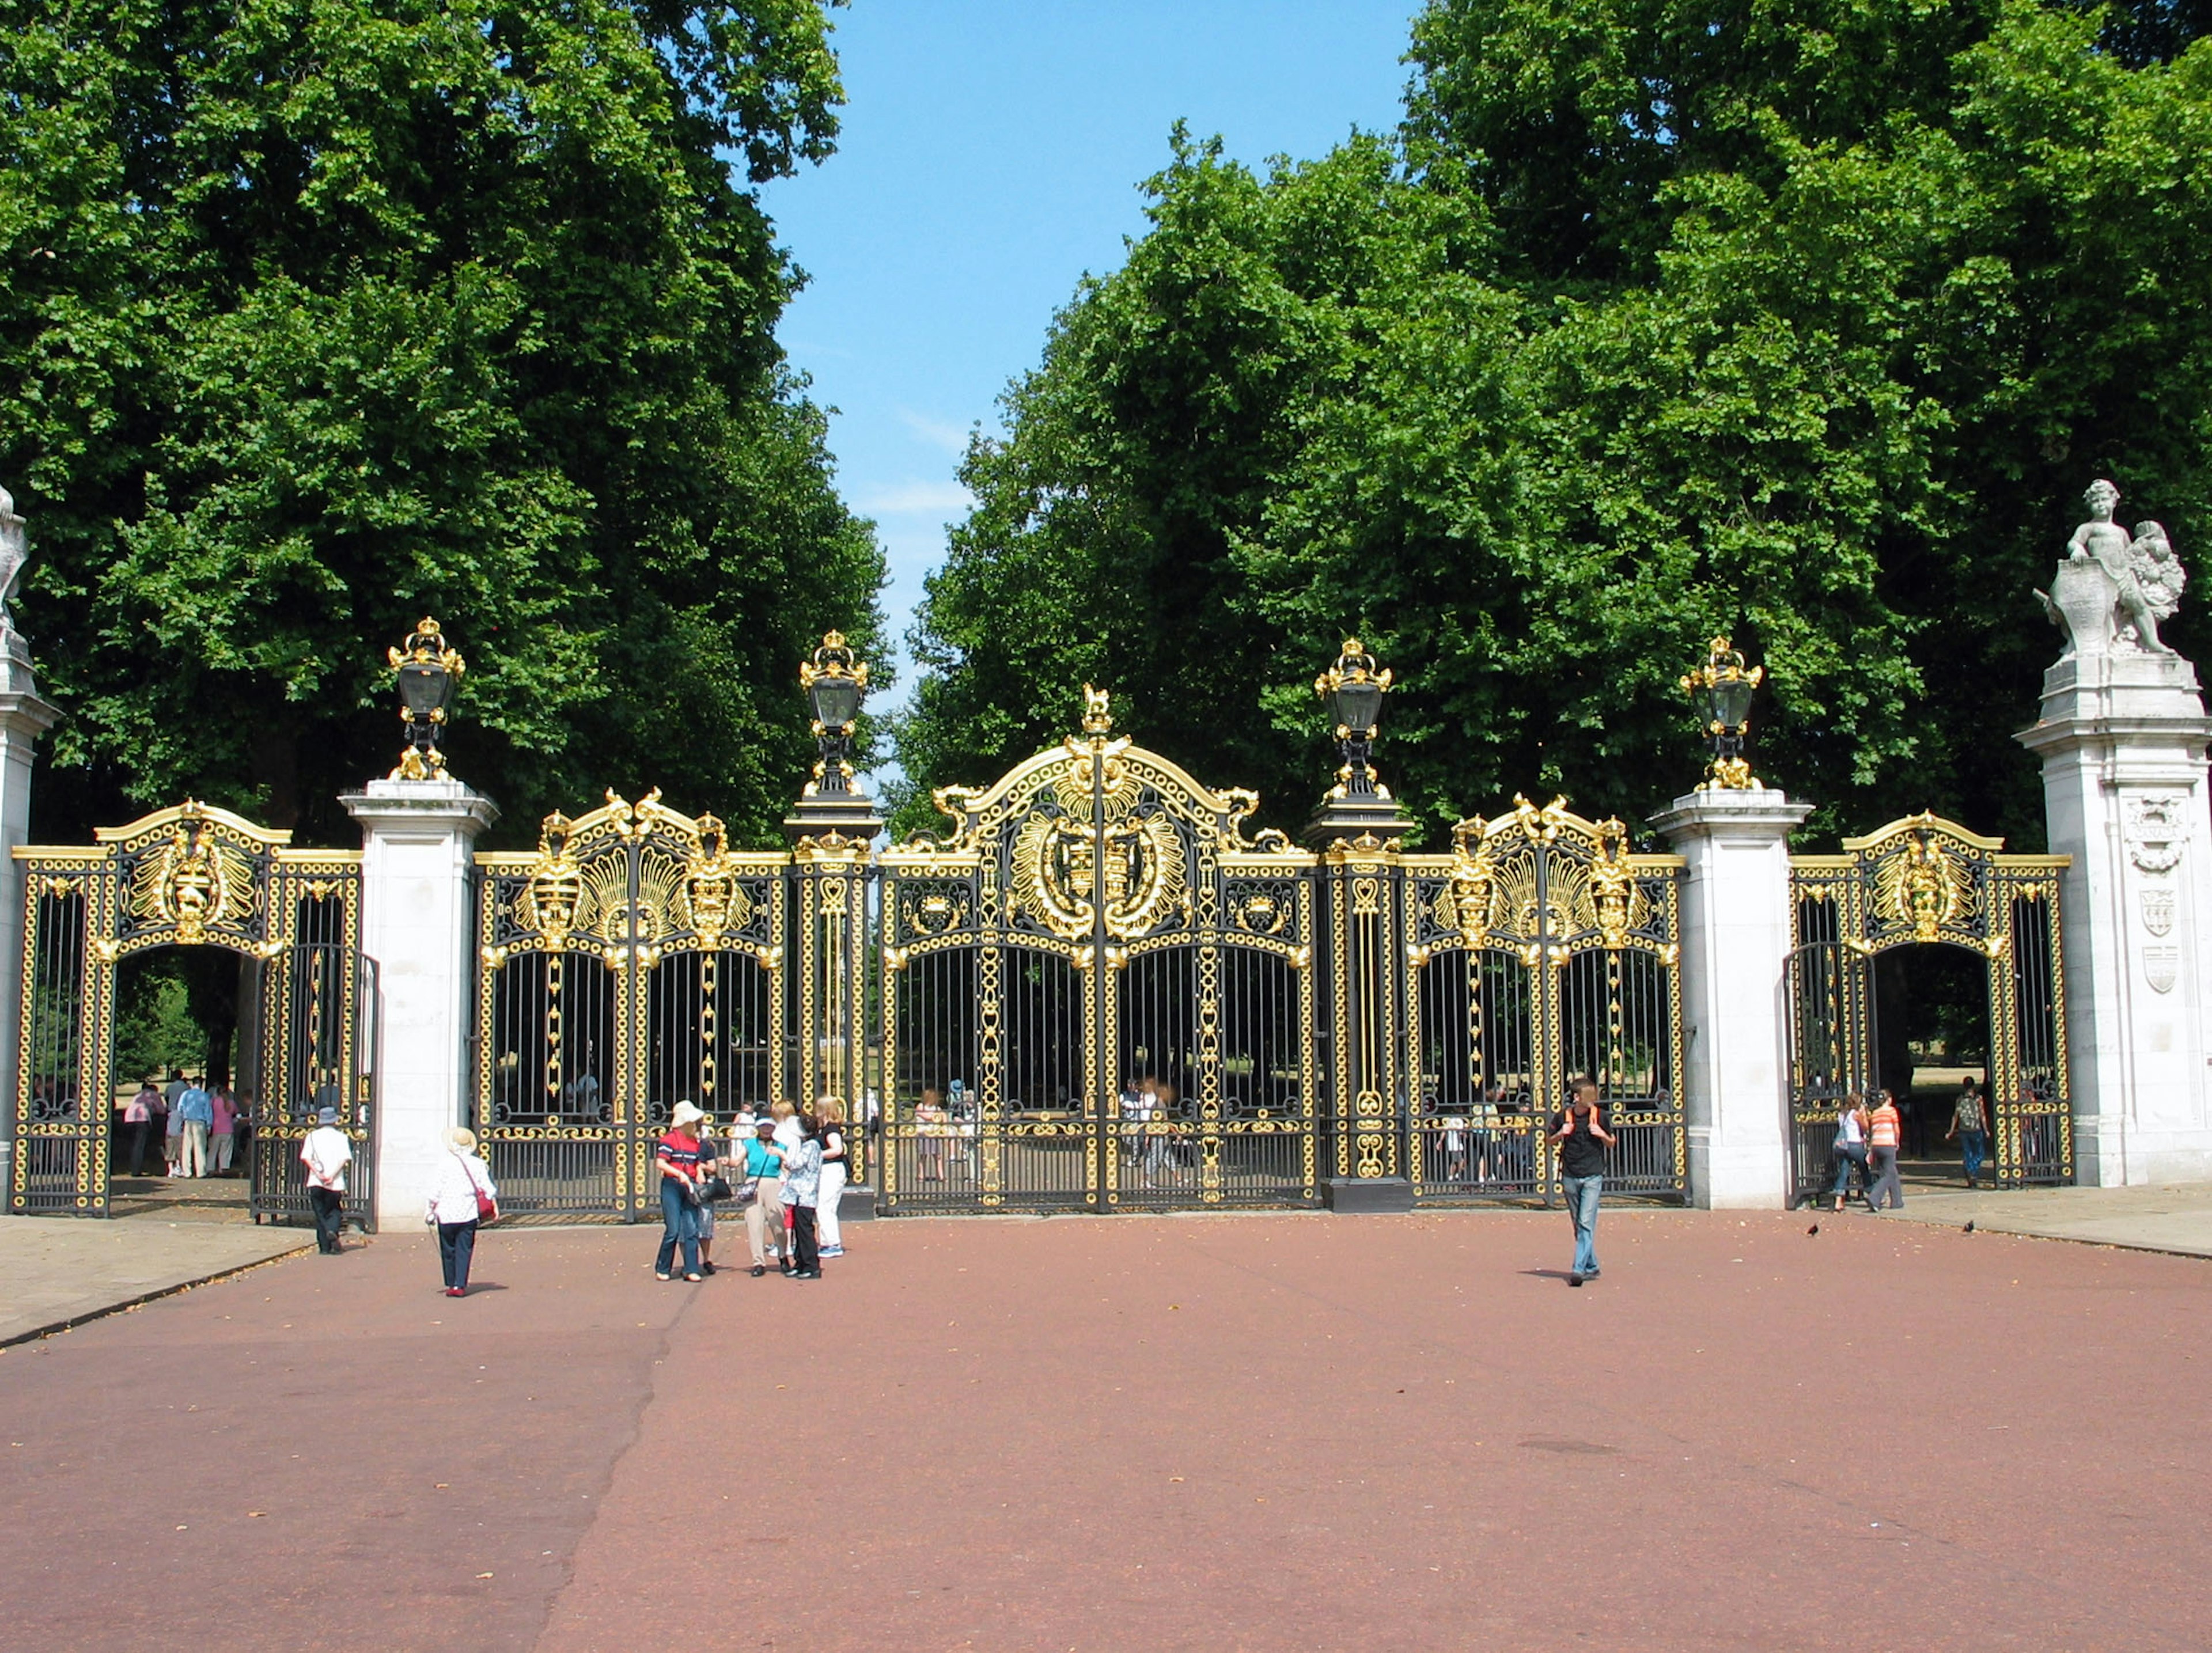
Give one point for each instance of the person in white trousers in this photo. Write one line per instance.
(831, 1113)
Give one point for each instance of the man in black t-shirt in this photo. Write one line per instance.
(1582, 1139)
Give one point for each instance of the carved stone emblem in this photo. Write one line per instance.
(2161, 967)
(2155, 832)
(2158, 909)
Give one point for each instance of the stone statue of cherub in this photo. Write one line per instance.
(2146, 576)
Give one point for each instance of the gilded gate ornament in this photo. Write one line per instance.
(1065, 868)
(1923, 887)
(195, 881)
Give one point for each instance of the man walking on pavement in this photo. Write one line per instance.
(197, 1109)
(1582, 1139)
(326, 1153)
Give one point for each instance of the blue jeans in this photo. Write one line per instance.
(1974, 1147)
(457, 1247)
(1582, 1193)
(1849, 1158)
(680, 1221)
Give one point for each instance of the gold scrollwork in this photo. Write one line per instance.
(1066, 867)
(1924, 886)
(195, 881)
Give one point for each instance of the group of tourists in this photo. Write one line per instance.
(1866, 1141)
(200, 1124)
(784, 1170)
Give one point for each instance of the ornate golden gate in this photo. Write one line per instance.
(1925, 881)
(189, 877)
(633, 961)
(1097, 994)
(1542, 949)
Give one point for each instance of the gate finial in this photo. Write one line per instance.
(1098, 715)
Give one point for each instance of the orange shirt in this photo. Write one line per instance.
(1882, 1132)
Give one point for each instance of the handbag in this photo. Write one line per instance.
(487, 1207)
(718, 1187)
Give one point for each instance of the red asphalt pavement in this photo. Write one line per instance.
(1232, 1432)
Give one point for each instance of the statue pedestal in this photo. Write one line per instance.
(416, 921)
(1735, 949)
(2122, 740)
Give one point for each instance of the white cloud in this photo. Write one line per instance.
(953, 439)
(913, 498)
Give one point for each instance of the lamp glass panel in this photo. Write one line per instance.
(1356, 706)
(836, 700)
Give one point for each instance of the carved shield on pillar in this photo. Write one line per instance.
(2161, 967)
(2158, 909)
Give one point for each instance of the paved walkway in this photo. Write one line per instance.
(2176, 1220)
(1220, 1433)
(61, 1271)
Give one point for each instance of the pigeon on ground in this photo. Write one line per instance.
(1815, 1229)
(1969, 1228)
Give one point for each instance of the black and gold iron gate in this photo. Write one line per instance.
(1924, 881)
(1097, 995)
(633, 961)
(194, 876)
(1542, 951)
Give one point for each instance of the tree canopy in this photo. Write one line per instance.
(318, 316)
(1805, 323)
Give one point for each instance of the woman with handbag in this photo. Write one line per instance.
(764, 1208)
(462, 1197)
(677, 1158)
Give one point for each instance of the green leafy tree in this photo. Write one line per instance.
(1540, 399)
(317, 316)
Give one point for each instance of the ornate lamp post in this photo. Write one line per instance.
(427, 668)
(836, 682)
(1723, 687)
(1353, 691)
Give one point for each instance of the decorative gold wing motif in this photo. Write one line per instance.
(1923, 886)
(195, 881)
(1052, 875)
(1606, 896)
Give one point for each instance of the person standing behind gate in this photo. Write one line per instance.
(802, 1188)
(1850, 1151)
(460, 1188)
(1582, 1139)
(1970, 1127)
(829, 1116)
(172, 1130)
(197, 1109)
(326, 1153)
(221, 1125)
(677, 1160)
(764, 1214)
(138, 1113)
(1882, 1133)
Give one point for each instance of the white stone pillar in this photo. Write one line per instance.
(2122, 739)
(1735, 951)
(417, 923)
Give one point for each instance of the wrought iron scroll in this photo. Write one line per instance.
(633, 961)
(1924, 880)
(1541, 950)
(1096, 993)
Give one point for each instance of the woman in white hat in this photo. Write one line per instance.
(678, 1159)
(461, 1193)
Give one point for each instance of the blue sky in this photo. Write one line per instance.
(991, 154)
